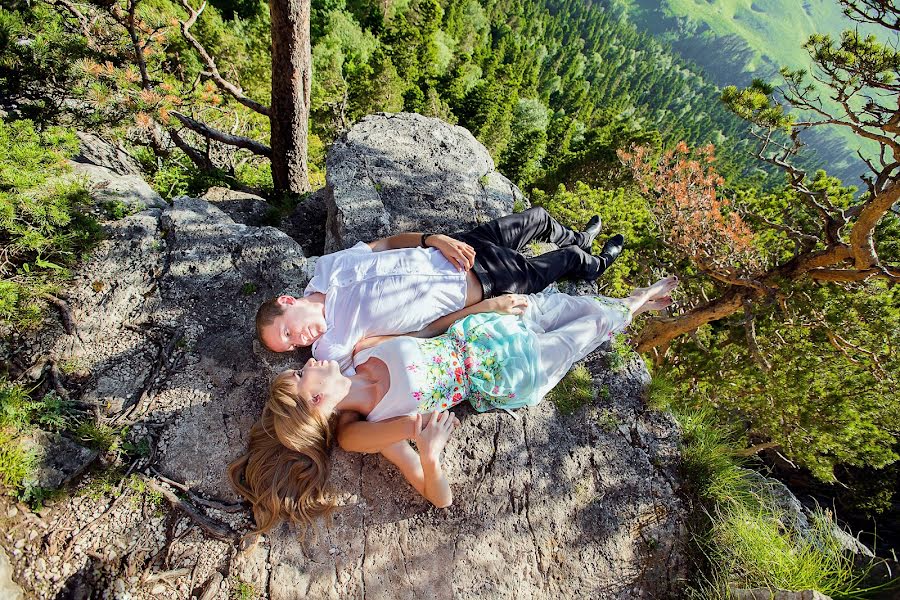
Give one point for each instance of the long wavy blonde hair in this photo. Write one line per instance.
(284, 473)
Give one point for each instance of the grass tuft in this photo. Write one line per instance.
(574, 391)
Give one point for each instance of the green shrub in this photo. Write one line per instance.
(744, 535)
(42, 228)
(19, 413)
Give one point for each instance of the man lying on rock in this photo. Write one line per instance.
(403, 283)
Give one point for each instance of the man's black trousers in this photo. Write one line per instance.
(503, 269)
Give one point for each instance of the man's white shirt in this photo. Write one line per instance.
(391, 292)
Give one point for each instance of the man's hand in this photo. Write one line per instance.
(458, 253)
(507, 304)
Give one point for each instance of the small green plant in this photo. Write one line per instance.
(659, 393)
(241, 590)
(19, 411)
(137, 485)
(518, 205)
(116, 209)
(483, 180)
(16, 463)
(621, 353)
(248, 289)
(574, 391)
(608, 421)
(103, 437)
(103, 483)
(378, 187)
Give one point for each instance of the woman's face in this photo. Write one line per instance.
(321, 381)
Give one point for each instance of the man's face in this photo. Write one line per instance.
(300, 324)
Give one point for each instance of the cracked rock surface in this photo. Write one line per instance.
(545, 505)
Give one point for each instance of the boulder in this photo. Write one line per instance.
(404, 172)
(58, 459)
(112, 175)
(242, 207)
(546, 505)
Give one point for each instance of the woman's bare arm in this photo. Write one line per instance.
(357, 435)
(508, 304)
(424, 474)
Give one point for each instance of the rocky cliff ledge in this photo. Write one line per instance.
(546, 505)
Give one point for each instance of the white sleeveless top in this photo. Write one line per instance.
(395, 354)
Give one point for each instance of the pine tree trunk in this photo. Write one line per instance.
(291, 74)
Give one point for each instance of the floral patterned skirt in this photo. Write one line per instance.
(501, 358)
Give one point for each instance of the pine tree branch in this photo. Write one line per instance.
(234, 91)
(854, 275)
(198, 158)
(220, 136)
(881, 10)
(82, 21)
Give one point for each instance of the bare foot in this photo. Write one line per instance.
(660, 289)
(655, 304)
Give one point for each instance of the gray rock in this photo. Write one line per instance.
(406, 172)
(242, 207)
(96, 151)
(58, 459)
(546, 506)
(112, 175)
(9, 589)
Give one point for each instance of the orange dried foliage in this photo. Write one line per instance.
(696, 219)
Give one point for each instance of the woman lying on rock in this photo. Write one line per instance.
(506, 357)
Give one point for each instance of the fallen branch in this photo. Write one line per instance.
(215, 504)
(220, 136)
(64, 313)
(755, 449)
(212, 587)
(219, 531)
(167, 575)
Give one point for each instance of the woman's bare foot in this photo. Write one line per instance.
(656, 304)
(661, 288)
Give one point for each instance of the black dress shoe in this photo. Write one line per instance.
(612, 249)
(590, 232)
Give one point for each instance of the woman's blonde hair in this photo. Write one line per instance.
(284, 473)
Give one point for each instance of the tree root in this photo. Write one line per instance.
(217, 530)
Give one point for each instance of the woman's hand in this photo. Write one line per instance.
(458, 253)
(432, 437)
(507, 304)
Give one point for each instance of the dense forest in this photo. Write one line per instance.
(735, 41)
(588, 114)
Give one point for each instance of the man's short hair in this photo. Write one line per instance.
(265, 316)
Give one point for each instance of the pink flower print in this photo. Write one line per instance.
(511, 395)
(412, 368)
(417, 395)
(457, 397)
(438, 360)
(468, 362)
(496, 390)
